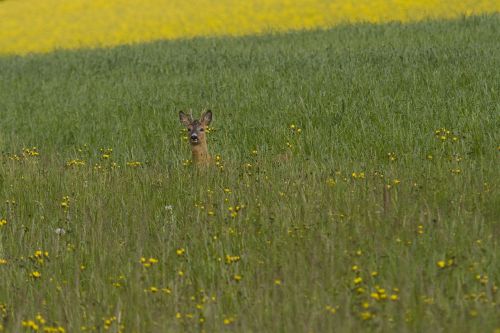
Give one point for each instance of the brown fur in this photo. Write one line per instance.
(200, 153)
(197, 128)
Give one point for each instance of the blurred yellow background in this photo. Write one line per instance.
(42, 26)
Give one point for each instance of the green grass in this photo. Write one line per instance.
(357, 93)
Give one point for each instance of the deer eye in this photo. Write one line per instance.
(202, 129)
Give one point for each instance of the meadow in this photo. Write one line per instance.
(356, 184)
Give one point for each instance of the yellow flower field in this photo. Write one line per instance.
(42, 26)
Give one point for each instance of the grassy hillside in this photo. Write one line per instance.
(381, 213)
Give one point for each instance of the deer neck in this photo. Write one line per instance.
(200, 153)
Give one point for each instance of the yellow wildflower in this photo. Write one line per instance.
(30, 324)
(366, 315)
(331, 309)
(65, 202)
(153, 260)
(232, 259)
(441, 264)
(360, 290)
(40, 319)
(358, 280)
(228, 320)
(75, 163)
(330, 182)
(358, 175)
(134, 164)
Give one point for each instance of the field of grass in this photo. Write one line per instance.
(357, 186)
(28, 26)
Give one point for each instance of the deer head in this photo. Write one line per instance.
(197, 135)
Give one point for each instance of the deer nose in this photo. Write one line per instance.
(194, 137)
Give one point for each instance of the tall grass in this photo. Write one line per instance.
(381, 213)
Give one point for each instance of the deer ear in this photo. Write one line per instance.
(185, 119)
(206, 117)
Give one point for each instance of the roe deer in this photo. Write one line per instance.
(196, 134)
